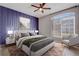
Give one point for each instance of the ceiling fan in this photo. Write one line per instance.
(41, 7)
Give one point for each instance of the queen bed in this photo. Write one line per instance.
(35, 45)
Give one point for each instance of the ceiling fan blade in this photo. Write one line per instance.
(46, 8)
(40, 5)
(36, 10)
(35, 6)
(43, 4)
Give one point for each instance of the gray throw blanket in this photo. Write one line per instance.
(21, 40)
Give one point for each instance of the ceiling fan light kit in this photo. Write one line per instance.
(40, 9)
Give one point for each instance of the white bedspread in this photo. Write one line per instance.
(21, 40)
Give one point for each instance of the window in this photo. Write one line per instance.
(64, 25)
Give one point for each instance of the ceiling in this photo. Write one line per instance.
(27, 9)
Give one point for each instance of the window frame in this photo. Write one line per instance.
(65, 18)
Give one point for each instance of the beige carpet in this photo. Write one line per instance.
(57, 50)
(14, 51)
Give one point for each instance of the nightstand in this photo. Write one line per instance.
(10, 40)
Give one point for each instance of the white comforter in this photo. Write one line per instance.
(21, 40)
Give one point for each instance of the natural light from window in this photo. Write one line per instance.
(64, 25)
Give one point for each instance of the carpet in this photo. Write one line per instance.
(57, 50)
(14, 51)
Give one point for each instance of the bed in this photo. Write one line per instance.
(35, 45)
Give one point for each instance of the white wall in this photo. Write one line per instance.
(45, 26)
(45, 23)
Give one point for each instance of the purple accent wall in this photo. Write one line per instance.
(0, 24)
(9, 19)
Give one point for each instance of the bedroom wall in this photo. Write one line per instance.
(9, 19)
(46, 25)
(0, 23)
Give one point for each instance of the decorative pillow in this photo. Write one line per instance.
(24, 34)
(17, 38)
(32, 34)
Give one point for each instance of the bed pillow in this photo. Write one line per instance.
(17, 36)
(32, 34)
(24, 34)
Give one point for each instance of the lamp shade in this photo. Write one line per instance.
(10, 32)
(36, 31)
